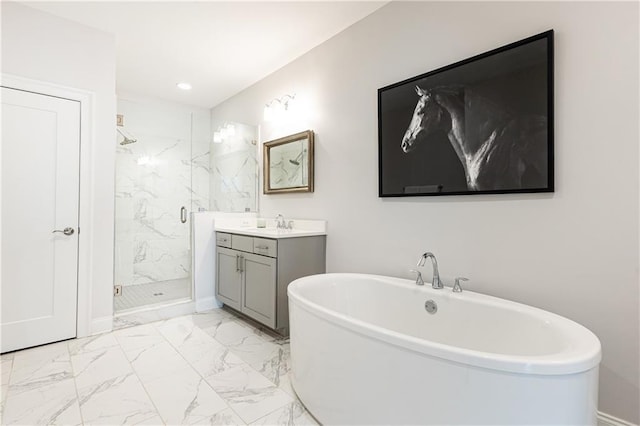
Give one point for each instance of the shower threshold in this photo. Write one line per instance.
(152, 295)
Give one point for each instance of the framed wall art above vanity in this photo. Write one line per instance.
(288, 164)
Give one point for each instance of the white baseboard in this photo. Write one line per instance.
(605, 419)
(101, 325)
(207, 303)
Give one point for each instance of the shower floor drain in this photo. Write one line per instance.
(158, 294)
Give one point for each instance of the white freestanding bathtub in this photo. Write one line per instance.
(364, 350)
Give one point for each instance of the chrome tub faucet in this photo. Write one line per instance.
(436, 283)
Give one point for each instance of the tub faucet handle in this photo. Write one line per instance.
(419, 280)
(457, 288)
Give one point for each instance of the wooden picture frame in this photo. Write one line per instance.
(288, 164)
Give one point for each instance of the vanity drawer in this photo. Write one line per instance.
(265, 247)
(242, 243)
(223, 239)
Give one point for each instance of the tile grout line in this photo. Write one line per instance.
(253, 329)
(195, 370)
(75, 384)
(4, 397)
(146, 392)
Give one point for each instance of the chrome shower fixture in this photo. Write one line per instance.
(126, 140)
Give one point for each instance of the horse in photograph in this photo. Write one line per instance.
(498, 149)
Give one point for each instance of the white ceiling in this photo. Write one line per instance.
(220, 48)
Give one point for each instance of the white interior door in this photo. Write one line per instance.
(40, 196)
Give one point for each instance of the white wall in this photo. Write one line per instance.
(573, 252)
(39, 46)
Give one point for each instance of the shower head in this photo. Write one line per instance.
(126, 140)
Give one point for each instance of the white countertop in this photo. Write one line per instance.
(270, 232)
(248, 226)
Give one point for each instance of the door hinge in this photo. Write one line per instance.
(117, 290)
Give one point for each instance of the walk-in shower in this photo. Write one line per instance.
(162, 175)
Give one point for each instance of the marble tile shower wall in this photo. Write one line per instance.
(234, 171)
(167, 168)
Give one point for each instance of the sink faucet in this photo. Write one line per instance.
(436, 283)
(280, 223)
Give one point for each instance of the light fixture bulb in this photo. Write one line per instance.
(183, 86)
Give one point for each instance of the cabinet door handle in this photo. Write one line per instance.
(262, 247)
(183, 214)
(237, 263)
(241, 262)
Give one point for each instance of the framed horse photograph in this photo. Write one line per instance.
(483, 125)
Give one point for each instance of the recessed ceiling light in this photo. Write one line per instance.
(183, 86)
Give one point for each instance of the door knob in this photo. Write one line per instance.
(65, 231)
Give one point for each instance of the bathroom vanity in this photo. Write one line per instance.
(254, 266)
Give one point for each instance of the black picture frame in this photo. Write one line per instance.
(483, 125)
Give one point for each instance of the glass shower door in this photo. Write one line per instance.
(154, 196)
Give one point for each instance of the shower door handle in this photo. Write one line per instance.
(183, 214)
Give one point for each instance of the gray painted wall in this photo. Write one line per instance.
(574, 252)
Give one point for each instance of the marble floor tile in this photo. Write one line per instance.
(40, 366)
(55, 403)
(133, 319)
(211, 318)
(92, 343)
(138, 337)
(156, 361)
(230, 332)
(291, 414)
(206, 354)
(224, 418)
(4, 357)
(152, 421)
(285, 384)
(270, 358)
(176, 330)
(120, 400)
(95, 367)
(5, 370)
(184, 397)
(208, 368)
(248, 392)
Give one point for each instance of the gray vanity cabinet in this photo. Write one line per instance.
(259, 283)
(252, 273)
(228, 277)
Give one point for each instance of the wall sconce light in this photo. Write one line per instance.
(278, 107)
(224, 132)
